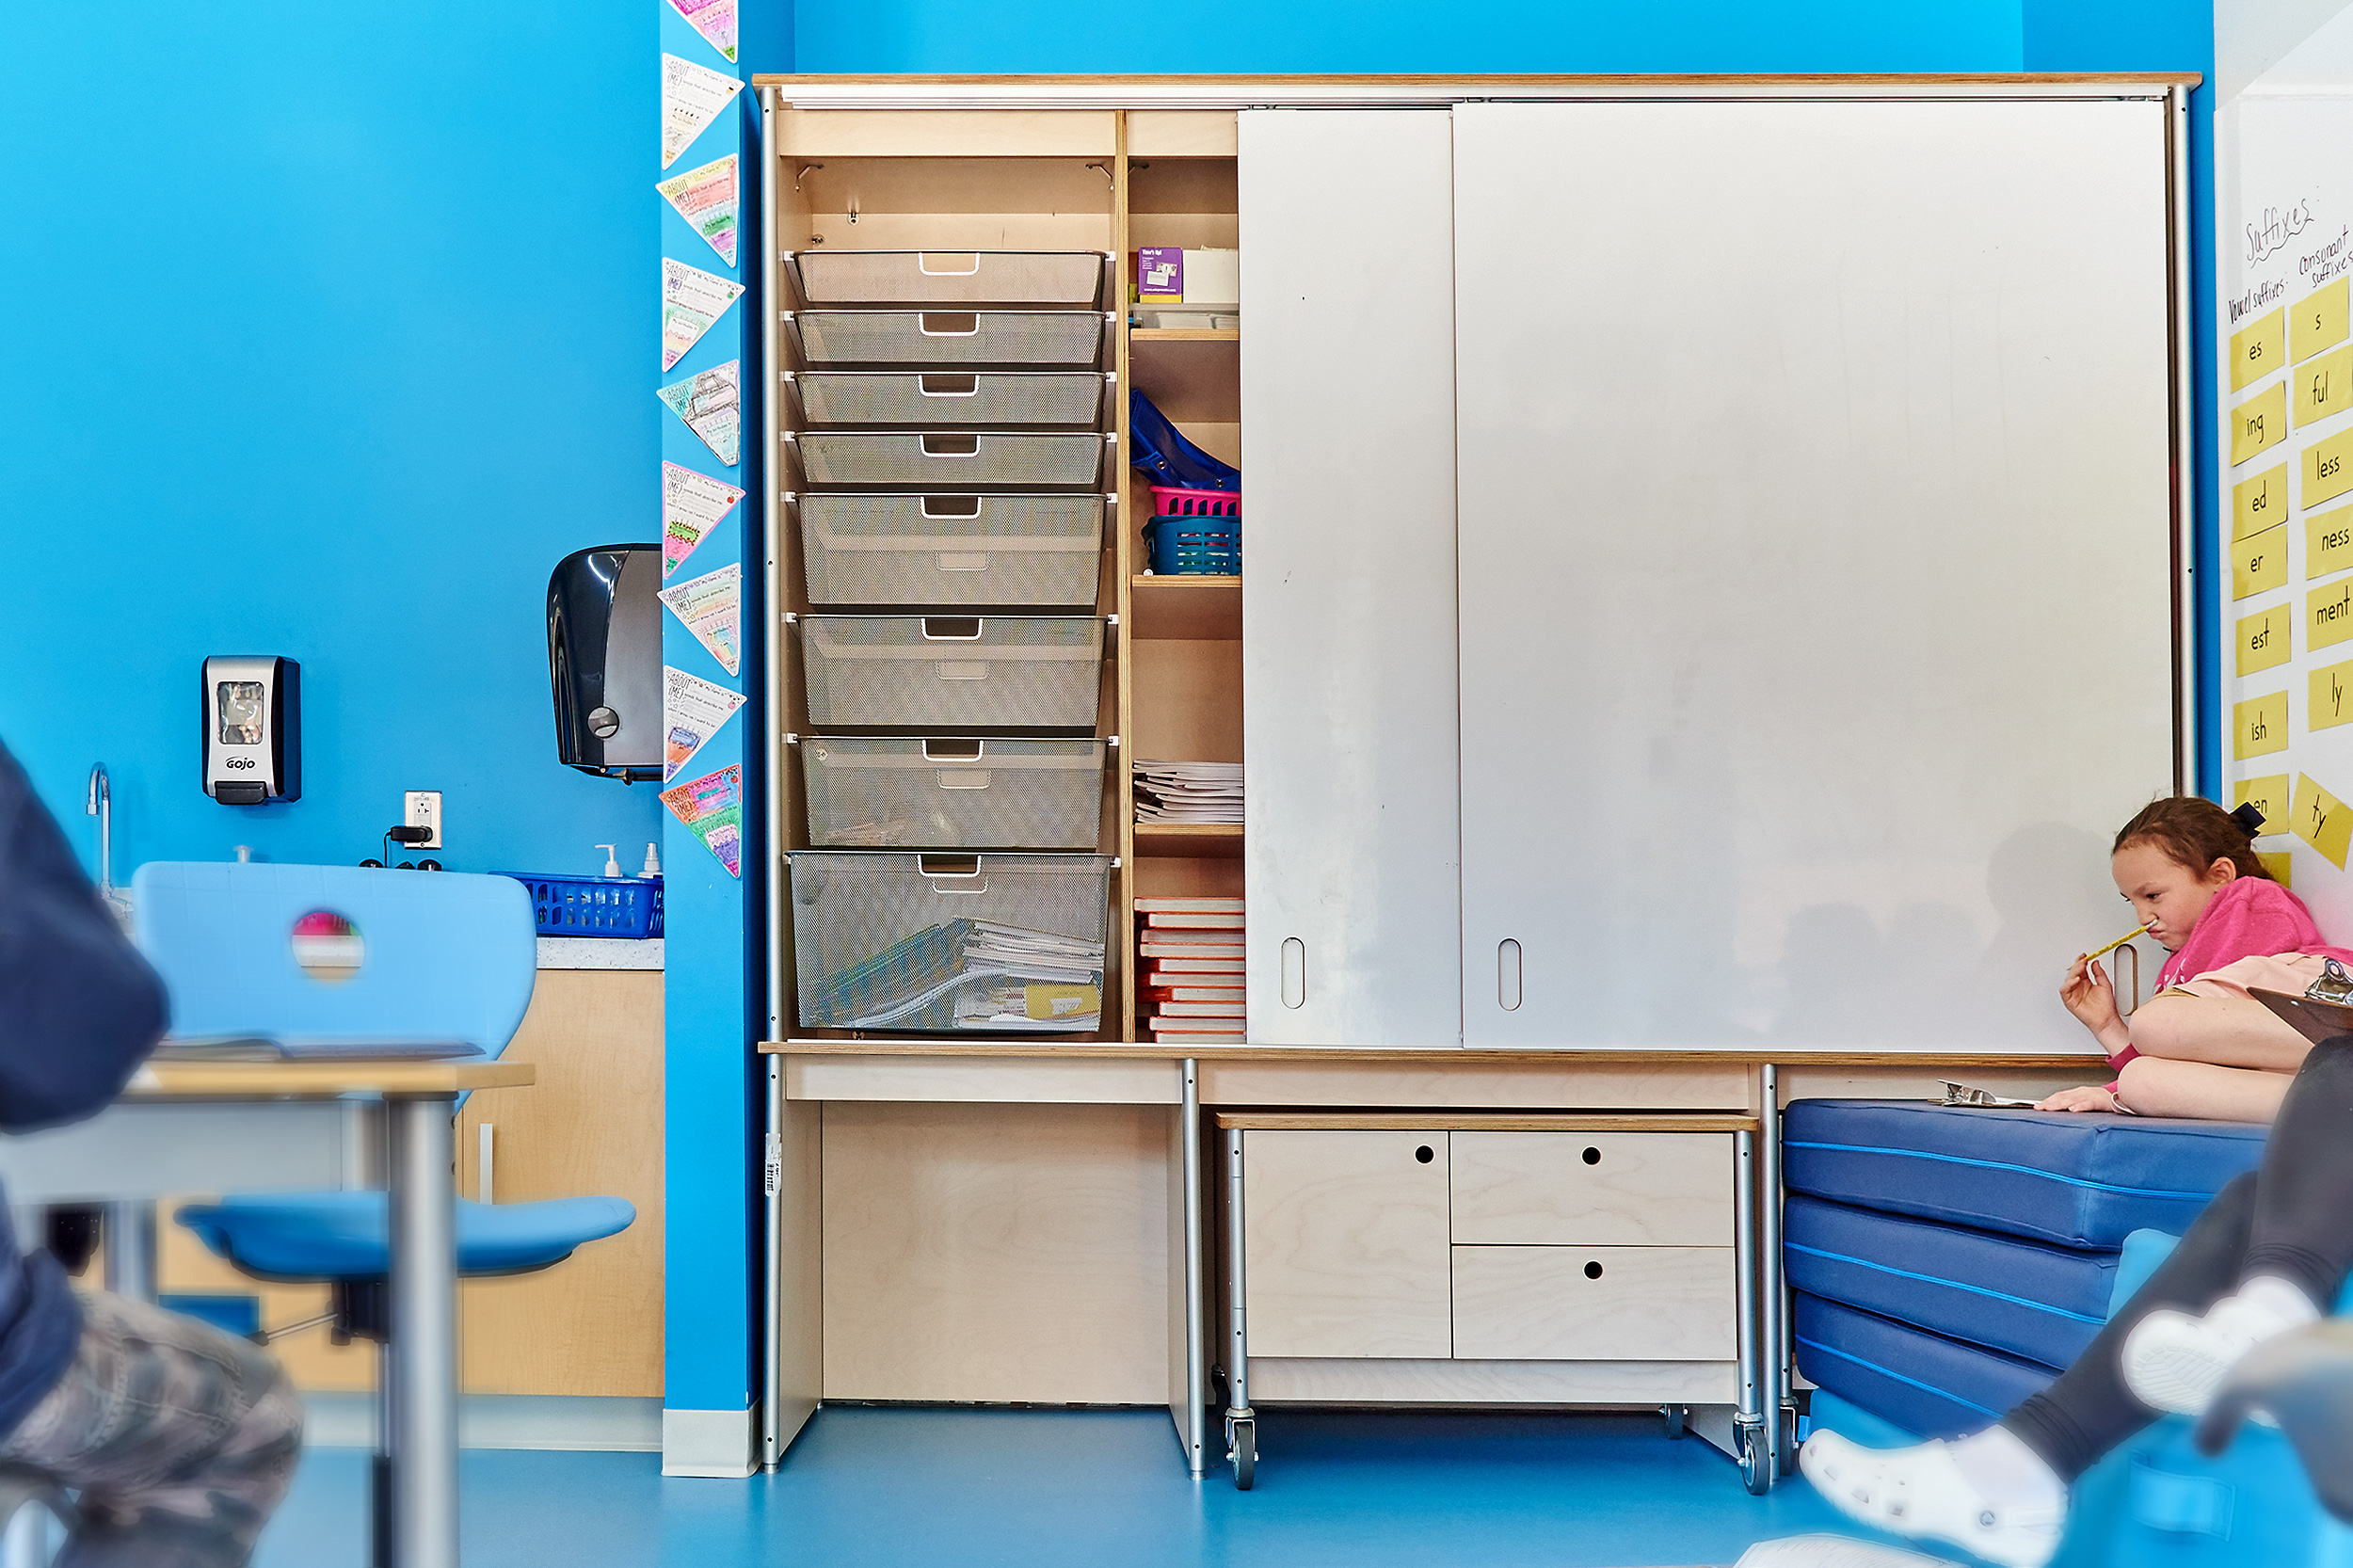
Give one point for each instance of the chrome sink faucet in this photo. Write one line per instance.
(101, 804)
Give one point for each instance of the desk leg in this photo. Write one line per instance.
(424, 1396)
(128, 1233)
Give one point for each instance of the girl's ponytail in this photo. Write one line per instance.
(2194, 832)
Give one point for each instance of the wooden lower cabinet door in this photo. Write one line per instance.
(1345, 1243)
(1594, 1303)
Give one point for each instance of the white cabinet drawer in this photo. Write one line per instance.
(1592, 1189)
(1593, 1304)
(1345, 1240)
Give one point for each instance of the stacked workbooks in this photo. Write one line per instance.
(1188, 791)
(1189, 965)
(968, 974)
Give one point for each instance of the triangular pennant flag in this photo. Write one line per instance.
(713, 408)
(691, 299)
(692, 710)
(692, 505)
(710, 607)
(705, 197)
(715, 20)
(711, 808)
(692, 97)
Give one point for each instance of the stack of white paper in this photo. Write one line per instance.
(1188, 791)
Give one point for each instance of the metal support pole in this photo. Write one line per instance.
(423, 1395)
(1196, 1286)
(128, 1233)
(1237, 1352)
(1773, 1293)
(1755, 1386)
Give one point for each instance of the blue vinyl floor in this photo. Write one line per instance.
(865, 1488)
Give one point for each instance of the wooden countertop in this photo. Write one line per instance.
(1480, 1121)
(1549, 1057)
(164, 1082)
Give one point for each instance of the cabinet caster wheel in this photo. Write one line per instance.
(1245, 1453)
(1756, 1465)
(1678, 1421)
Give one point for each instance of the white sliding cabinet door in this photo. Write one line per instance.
(1348, 597)
(1816, 521)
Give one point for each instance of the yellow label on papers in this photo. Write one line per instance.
(1043, 1001)
(2259, 423)
(2270, 797)
(2263, 640)
(2323, 388)
(2259, 348)
(2260, 725)
(2327, 468)
(2257, 503)
(2321, 819)
(2318, 322)
(2259, 562)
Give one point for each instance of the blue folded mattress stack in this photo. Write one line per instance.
(1947, 1262)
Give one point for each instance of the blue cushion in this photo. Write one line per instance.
(2078, 1180)
(347, 1234)
(2022, 1298)
(1922, 1381)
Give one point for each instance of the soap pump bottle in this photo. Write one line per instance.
(612, 865)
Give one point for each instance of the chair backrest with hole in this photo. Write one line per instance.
(392, 954)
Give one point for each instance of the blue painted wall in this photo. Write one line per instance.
(324, 340)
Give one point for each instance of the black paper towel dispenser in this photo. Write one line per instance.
(604, 656)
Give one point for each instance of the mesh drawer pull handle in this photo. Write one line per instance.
(1294, 972)
(952, 506)
(924, 263)
(949, 324)
(953, 751)
(1508, 975)
(942, 869)
(950, 446)
(964, 778)
(952, 629)
(948, 386)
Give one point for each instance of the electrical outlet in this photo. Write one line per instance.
(423, 808)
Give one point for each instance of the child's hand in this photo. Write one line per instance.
(2091, 998)
(2086, 1099)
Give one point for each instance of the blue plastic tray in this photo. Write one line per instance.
(627, 909)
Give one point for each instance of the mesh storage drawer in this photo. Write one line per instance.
(1036, 550)
(989, 397)
(951, 460)
(961, 793)
(1070, 278)
(1072, 340)
(949, 943)
(947, 674)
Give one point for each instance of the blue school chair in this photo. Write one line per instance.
(391, 956)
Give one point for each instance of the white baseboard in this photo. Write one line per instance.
(595, 1423)
(719, 1443)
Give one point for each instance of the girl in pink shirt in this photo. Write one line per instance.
(2201, 1046)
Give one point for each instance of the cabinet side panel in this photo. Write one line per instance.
(1347, 603)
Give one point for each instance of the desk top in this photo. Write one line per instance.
(161, 1082)
(2087, 1062)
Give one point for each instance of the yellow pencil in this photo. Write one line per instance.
(2137, 931)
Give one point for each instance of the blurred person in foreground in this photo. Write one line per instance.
(179, 1439)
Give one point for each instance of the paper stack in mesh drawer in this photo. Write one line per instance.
(1188, 987)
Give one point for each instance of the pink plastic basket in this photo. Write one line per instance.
(1170, 501)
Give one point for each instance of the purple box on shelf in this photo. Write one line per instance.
(1161, 275)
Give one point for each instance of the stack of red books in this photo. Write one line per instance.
(1189, 970)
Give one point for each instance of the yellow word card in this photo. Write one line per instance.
(2325, 387)
(2318, 322)
(2263, 640)
(2332, 692)
(2329, 614)
(2270, 797)
(2259, 562)
(2259, 348)
(2328, 468)
(2327, 543)
(2258, 423)
(2322, 819)
(2277, 862)
(2260, 726)
(2257, 503)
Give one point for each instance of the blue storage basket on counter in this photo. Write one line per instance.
(628, 907)
(1178, 547)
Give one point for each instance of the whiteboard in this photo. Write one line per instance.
(1815, 520)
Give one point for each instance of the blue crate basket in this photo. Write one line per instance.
(1192, 546)
(627, 909)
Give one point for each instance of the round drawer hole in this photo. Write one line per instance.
(1593, 1157)
(1425, 1154)
(1592, 1270)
